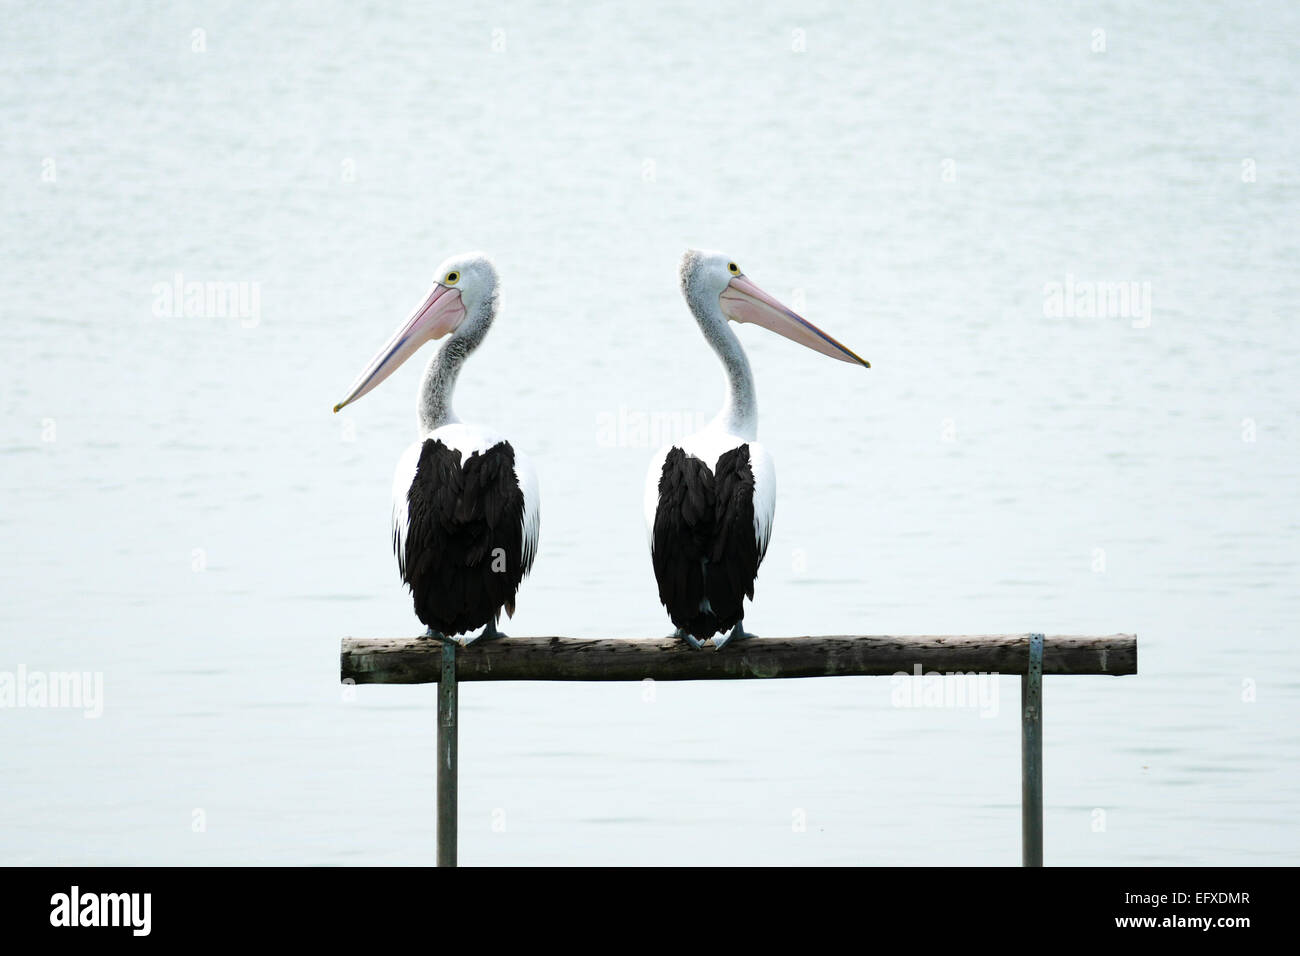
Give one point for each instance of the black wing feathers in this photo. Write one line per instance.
(464, 543)
(735, 547)
(704, 550)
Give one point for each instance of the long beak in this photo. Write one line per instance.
(742, 301)
(438, 314)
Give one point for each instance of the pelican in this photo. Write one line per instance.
(710, 498)
(465, 502)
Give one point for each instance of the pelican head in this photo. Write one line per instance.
(461, 304)
(712, 279)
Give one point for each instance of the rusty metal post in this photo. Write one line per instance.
(1031, 756)
(447, 782)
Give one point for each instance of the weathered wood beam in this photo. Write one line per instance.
(418, 660)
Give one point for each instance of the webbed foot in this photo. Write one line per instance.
(439, 636)
(489, 633)
(689, 638)
(738, 633)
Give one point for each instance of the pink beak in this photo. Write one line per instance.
(742, 301)
(441, 312)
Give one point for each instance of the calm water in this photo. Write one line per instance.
(184, 515)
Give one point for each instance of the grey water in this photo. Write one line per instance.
(953, 190)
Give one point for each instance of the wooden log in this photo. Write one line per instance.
(418, 660)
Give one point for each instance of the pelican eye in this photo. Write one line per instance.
(733, 268)
(451, 278)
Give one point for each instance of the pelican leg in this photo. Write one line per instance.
(688, 638)
(738, 633)
(439, 636)
(489, 633)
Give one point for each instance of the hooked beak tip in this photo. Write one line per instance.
(337, 407)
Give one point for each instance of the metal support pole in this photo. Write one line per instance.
(1031, 756)
(447, 757)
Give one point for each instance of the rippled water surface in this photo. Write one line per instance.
(184, 515)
